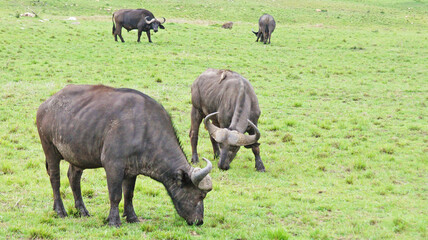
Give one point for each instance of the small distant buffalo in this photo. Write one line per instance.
(227, 25)
(130, 19)
(266, 26)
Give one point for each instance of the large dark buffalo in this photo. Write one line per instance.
(125, 132)
(266, 26)
(228, 100)
(140, 19)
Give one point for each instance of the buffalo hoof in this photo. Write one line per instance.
(132, 219)
(114, 223)
(60, 210)
(195, 158)
(260, 168)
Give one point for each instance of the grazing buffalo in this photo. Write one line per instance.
(127, 133)
(228, 100)
(266, 26)
(140, 19)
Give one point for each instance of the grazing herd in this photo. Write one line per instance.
(128, 133)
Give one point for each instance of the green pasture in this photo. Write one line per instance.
(343, 93)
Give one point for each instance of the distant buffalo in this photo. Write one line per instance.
(140, 19)
(266, 26)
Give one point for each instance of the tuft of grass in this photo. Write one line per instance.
(276, 234)
(399, 225)
(41, 233)
(287, 138)
(387, 149)
(6, 168)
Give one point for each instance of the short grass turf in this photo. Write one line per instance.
(343, 92)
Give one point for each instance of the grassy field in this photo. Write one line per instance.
(343, 93)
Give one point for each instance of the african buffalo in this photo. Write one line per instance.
(127, 133)
(228, 100)
(140, 19)
(266, 26)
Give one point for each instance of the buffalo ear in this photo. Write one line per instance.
(181, 177)
(161, 26)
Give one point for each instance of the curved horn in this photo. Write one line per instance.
(164, 20)
(210, 127)
(198, 176)
(149, 22)
(244, 140)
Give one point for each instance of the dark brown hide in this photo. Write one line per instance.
(125, 132)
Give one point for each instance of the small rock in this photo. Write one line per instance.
(27, 14)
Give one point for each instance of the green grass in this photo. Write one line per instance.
(343, 94)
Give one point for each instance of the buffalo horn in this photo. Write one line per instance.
(219, 134)
(198, 176)
(160, 21)
(244, 140)
(149, 22)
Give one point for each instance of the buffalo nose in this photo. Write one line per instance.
(155, 30)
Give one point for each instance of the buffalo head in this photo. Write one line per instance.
(189, 191)
(155, 23)
(229, 140)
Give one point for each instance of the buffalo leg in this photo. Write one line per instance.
(128, 186)
(259, 164)
(216, 150)
(74, 175)
(52, 167)
(148, 36)
(196, 119)
(258, 36)
(114, 182)
(118, 32)
(139, 34)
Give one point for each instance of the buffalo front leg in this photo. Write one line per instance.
(115, 176)
(128, 186)
(258, 36)
(196, 119)
(216, 149)
(74, 175)
(52, 167)
(148, 35)
(259, 164)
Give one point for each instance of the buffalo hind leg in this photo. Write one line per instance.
(74, 175)
(118, 32)
(128, 186)
(52, 167)
(115, 176)
(139, 34)
(196, 119)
